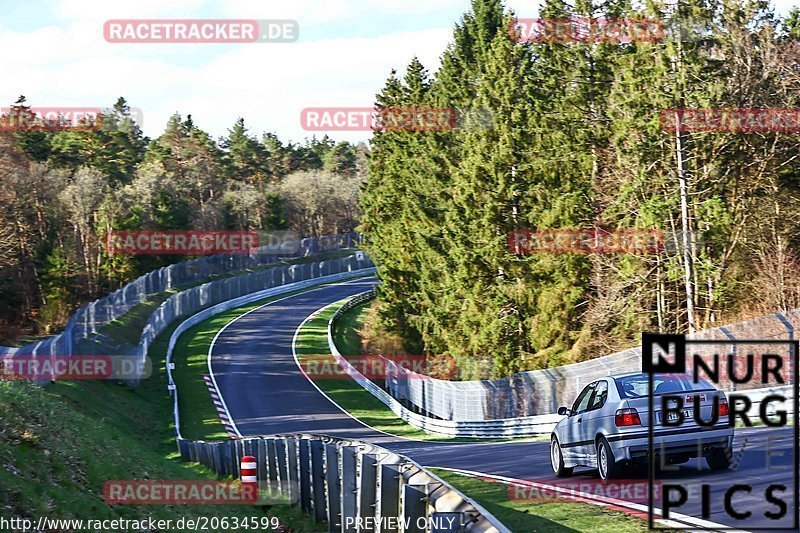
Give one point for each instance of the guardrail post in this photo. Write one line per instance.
(198, 450)
(318, 480)
(240, 451)
(349, 489)
(730, 336)
(305, 475)
(368, 488)
(274, 483)
(282, 462)
(250, 447)
(389, 506)
(192, 450)
(263, 466)
(415, 508)
(333, 485)
(236, 457)
(231, 458)
(216, 457)
(288, 448)
(214, 461)
(205, 457)
(183, 448)
(219, 459)
(292, 484)
(447, 522)
(225, 452)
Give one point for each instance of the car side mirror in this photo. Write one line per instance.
(563, 411)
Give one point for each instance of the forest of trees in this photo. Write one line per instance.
(63, 189)
(577, 143)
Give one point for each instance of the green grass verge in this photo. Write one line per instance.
(312, 342)
(346, 330)
(59, 444)
(527, 515)
(199, 417)
(348, 341)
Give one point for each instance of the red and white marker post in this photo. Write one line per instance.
(249, 478)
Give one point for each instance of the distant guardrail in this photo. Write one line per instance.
(337, 270)
(81, 335)
(523, 426)
(482, 429)
(86, 321)
(542, 391)
(342, 482)
(335, 479)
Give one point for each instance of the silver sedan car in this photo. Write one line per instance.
(606, 427)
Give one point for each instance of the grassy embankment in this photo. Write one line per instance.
(541, 515)
(61, 443)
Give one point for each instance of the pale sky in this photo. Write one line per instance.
(55, 54)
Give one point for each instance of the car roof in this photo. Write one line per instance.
(627, 374)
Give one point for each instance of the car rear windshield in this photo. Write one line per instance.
(635, 386)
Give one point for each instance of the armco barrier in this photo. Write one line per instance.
(355, 268)
(80, 335)
(511, 427)
(574, 378)
(339, 481)
(196, 298)
(334, 479)
(543, 391)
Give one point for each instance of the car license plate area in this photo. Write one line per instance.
(673, 417)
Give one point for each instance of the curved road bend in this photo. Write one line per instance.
(266, 394)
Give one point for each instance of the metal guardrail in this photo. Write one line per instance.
(492, 428)
(481, 429)
(81, 334)
(244, 300)
(342, 482)
(335, 479)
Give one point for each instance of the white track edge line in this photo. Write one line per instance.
(702, 525)
(342, 409)
(216, 336)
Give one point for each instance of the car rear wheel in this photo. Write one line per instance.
(557, 459)
(719, 459)
(606, 464)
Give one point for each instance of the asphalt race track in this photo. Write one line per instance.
(266, 394)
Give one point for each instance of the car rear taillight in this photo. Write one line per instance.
(627, 417)
(723, 407)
